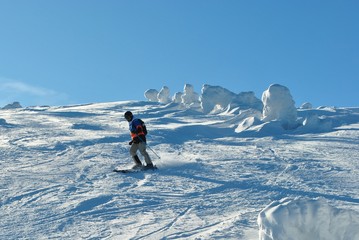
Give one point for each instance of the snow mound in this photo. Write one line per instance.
(279, 114)
(247, 123)
(213, 96)
(190, 98)
(314, 123)
(151, 95)
(306, 105)
(177, 98)
(164, 95)
(216, 97)
(307, 219)
(279, 105)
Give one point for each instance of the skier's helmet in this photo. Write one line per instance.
(128, 115)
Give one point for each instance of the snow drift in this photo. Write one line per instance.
(307, 219)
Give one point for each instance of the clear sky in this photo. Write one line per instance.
(59, 52)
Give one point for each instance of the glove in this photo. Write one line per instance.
(130, 143)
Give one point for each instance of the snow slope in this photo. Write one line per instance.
(57, 182)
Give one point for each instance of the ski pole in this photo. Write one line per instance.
(153, 151)
(150, 148)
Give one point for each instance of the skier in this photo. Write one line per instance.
(138, 133)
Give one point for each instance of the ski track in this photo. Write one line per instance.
(57, 180)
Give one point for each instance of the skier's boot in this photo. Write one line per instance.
(149, 166)
(138, 163)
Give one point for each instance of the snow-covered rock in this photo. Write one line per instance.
(312, 219)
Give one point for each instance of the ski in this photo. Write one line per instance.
(136, 170)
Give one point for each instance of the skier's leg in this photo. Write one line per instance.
(133, 152)
(137, 161)
(142, 148)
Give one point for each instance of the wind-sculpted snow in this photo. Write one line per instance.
(211, 100)
(214, 180)
(279, 106)
(307, 219)
(276, 114)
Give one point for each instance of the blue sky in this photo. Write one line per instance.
(63, 52)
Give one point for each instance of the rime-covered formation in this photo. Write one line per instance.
(275, 112)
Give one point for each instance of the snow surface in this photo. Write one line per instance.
(224, 173)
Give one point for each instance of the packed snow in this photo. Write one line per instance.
(230, 166)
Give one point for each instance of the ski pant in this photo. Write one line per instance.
(142, 148)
